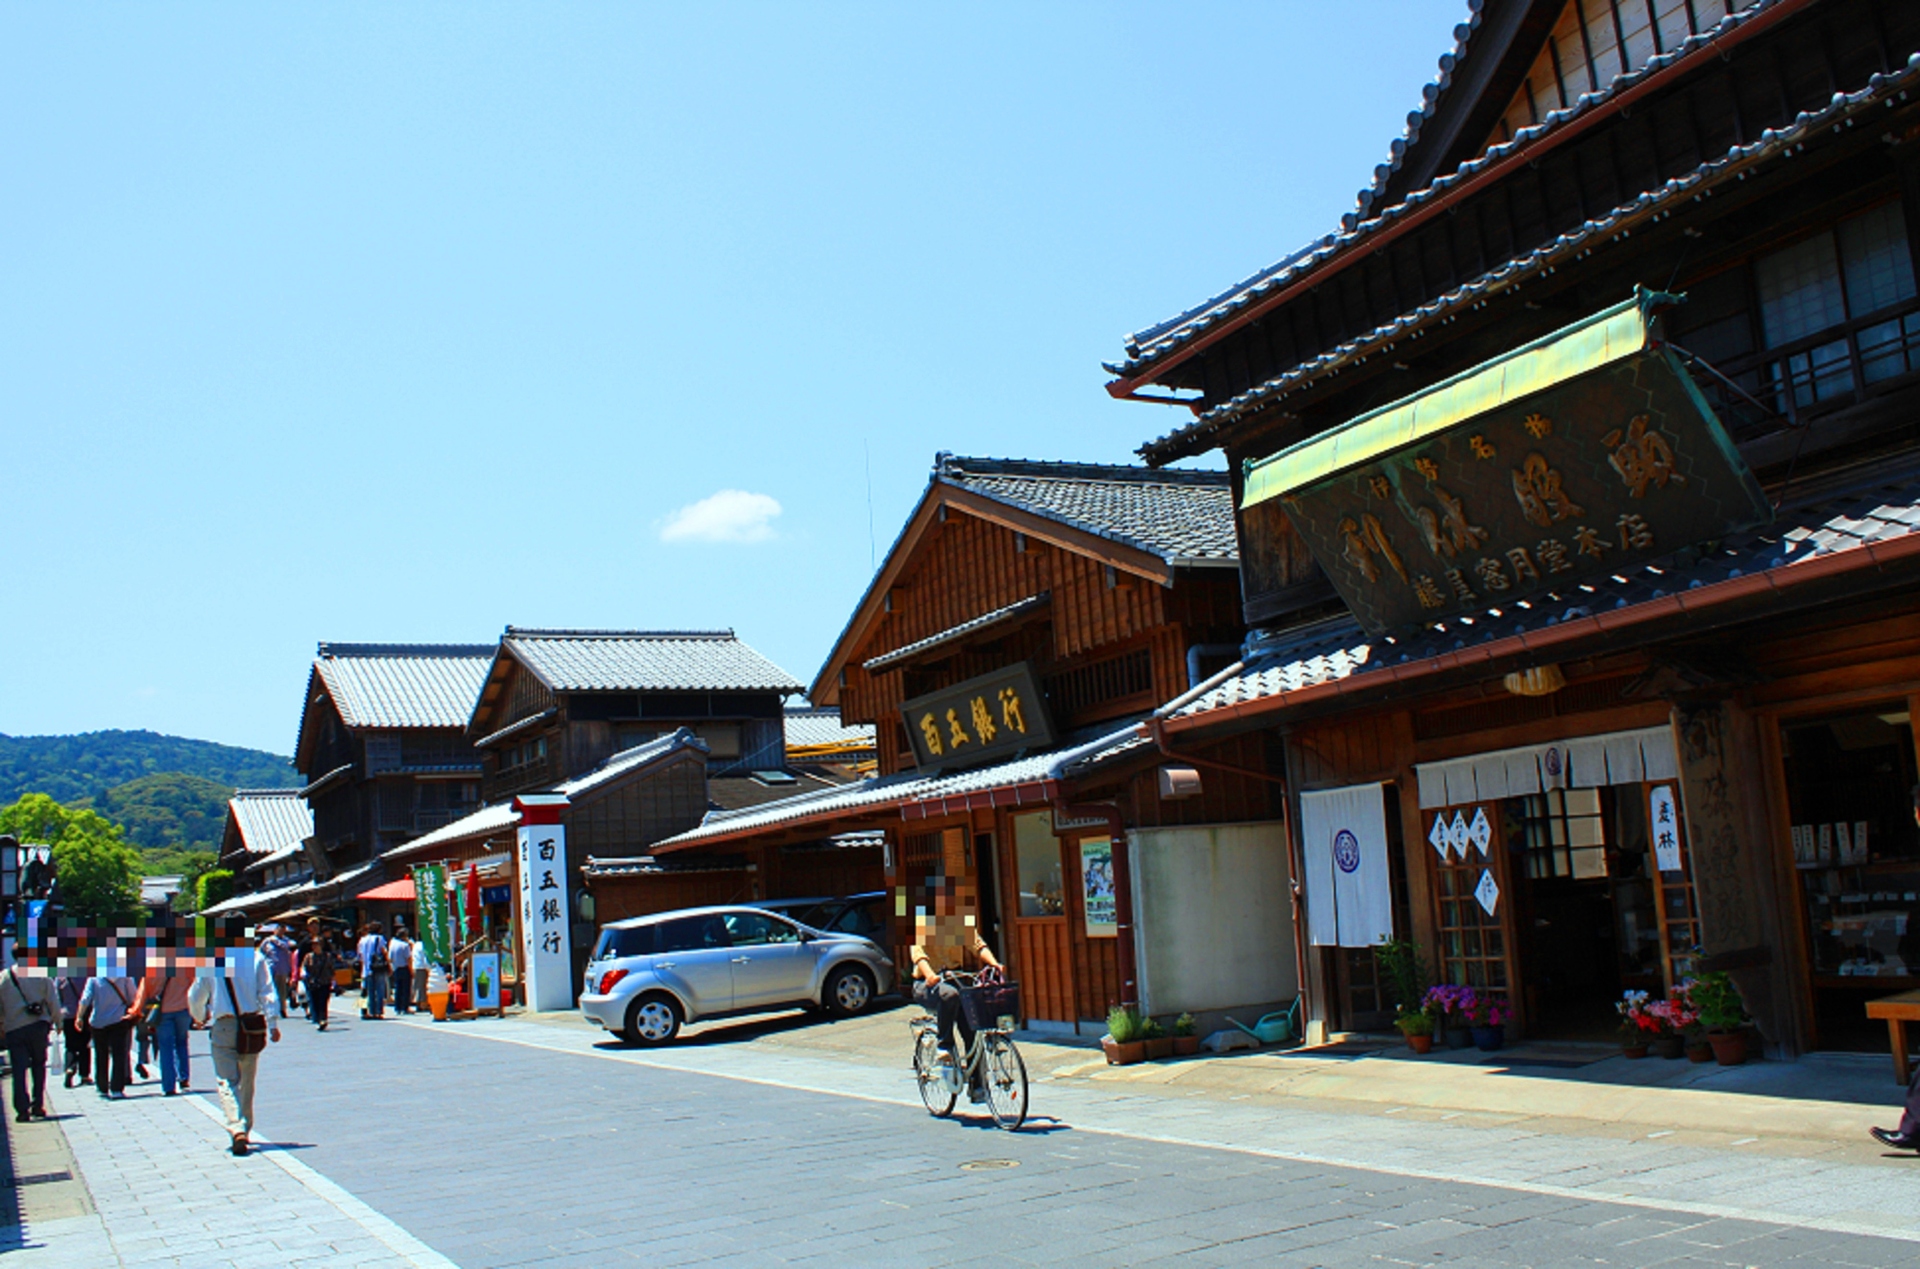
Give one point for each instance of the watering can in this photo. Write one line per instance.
(1273, 1028)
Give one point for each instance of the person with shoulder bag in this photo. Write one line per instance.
(73, 1032)
(374, 971)
(106, 1009)
(29, 1011)
(318, 963)
(238, 998)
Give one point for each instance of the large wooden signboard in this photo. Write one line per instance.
(983, 719)
(1608, 468)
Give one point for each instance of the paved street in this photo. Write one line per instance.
(517, 1143)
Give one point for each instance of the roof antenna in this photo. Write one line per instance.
(873, 561)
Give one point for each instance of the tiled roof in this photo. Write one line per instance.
(1182, 516)
(739, 792)
(644, 661)
(630, 760)
(1602, 228)
(254, 902)
(1150, 345)
(488, 819)
(1821, 523)
(807, 727)
(392, 685)
(887, 792)
(954, 634)
(270, 820)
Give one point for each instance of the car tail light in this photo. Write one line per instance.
(608, 979)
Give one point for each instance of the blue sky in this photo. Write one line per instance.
(403, 323)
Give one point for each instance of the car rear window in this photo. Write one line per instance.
(862, 919)
(637, 940)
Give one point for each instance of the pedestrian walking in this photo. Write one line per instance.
(237, 998)
(172, 1020)
(106, 1008)
(374, 971)
(318, 963)
(78, 1062)
(146, 1010)
(279, 951)
(400, 955)
(29, 1011)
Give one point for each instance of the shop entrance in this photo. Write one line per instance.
(1580, 910)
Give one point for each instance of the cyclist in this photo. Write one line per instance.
(945, 940)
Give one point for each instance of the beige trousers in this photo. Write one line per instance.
(233, 1075)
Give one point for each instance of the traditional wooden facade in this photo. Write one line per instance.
(1757, 680)
(1056, 604)
(263, 844)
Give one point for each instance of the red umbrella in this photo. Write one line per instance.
(473, 902)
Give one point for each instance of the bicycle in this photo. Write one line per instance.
(992, 1060)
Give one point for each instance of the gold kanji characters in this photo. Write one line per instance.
(1448, 531)
(1587, 542)
(930, 732)
(1427, 593)
(1642, 456)
(1381, 486)
(1365, 539)
(1634, 531)
(983, 720)
(1492, 577)
(1482, 447)
(1553, 553)
(1537, 487)
(1522, 564)
(956, 731)
(1010, 715)
(1427, 467)
(1538, 426)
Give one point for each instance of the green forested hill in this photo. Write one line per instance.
(170, 809)
(68, 768)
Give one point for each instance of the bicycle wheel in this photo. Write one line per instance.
(926, 1069)
(1006, 1077)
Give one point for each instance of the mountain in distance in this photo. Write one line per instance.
(68, 768)
(170, 793)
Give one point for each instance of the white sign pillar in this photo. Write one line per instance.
(546, 975)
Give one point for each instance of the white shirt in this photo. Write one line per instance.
(367, 943)
(252, 980)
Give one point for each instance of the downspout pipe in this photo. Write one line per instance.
(1122, 890)
(1199, 650)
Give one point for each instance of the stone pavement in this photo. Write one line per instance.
(537, 1142)
(159, 1189)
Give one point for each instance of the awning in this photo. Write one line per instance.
(400, 891)
(1582, 455)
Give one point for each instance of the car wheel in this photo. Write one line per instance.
(849, 991)
(652, 1020)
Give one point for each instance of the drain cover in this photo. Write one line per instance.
(988, 1165)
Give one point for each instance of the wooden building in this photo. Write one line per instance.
(1027, 617)
(383, 748)
(263, 844)
(1544, 552)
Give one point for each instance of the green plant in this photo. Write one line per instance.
(1717, 1001)
(1184, 1025)
(1414, 1022)
(1151, 1030)
(1406, 972)
(1123, 1024)
(215, 886)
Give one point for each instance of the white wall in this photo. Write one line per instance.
(1213, 917)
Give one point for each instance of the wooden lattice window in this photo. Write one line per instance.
(1473, 942)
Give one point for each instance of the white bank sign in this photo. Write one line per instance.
(543, 915)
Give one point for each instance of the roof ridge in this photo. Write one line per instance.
(264, 793)
(338, 651)
(950, 465)
(536, 632)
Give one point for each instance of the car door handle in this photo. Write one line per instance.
(741, 960)
(663, 964)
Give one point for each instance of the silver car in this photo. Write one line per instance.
(650, 974)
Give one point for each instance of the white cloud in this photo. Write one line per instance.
(732, 515)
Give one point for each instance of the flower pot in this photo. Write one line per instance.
(1186, 1045)
(1669, 1047)
(1159, 1048)
(1420, 1043)
(1123, 1054)
(1729, 1047)
(1633, 1050)
(1699, 1051)
(1488, 1039)
(1458, 1036)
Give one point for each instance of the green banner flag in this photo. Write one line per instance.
(430, 898)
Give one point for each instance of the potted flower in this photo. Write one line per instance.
(1488, 1019)
(1675, 1015)
(1186, 1036)
(1693, 1036)
(1450, 1005)
(1637, 1026)
(1417, 1026)
(1723, 1015)
(1159, 1043)
(1123, 1041)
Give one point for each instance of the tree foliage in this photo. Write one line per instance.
(214, 886)
(168, 810)
(69, 768)
(99, 873)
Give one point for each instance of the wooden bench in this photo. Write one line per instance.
(1898, 1011)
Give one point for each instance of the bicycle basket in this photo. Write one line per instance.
(986, 1006)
